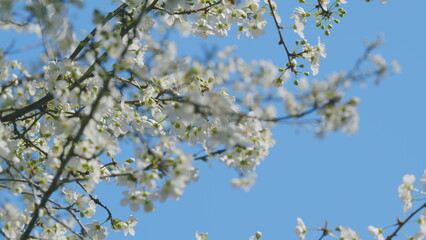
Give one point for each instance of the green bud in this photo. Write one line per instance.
(296, 82)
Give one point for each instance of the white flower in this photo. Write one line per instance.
(347, 233)
(85, 205)
(377, 232)
(12, 229)
(130, 224)
(423, 180)
(313, 54)
(135, 199)
(252, 4)
(201, 236)
(244, 183)
(255, 28)
(396, 67)
(300, 229)
(405, 189)
(421, 234)
(56, 232)
(202, 28)
(4, 148)
(96, 231)
(319, 52)
(299, 16)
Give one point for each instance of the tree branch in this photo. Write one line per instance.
(85, 121)
(401, 224)
(281, 42)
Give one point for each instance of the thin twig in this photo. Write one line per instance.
(401, 224)
(186, 12)
(281, 42)
(97, 202)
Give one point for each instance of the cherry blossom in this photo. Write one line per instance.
(405, 191)
(300, 229)
(245, 182)
(376, 232)
(299, 16)
(63, 123)
(96, 231)
(201, 236)
(346, 233)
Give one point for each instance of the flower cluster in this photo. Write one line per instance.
(63, 125)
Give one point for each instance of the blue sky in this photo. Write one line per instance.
(347, 180)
